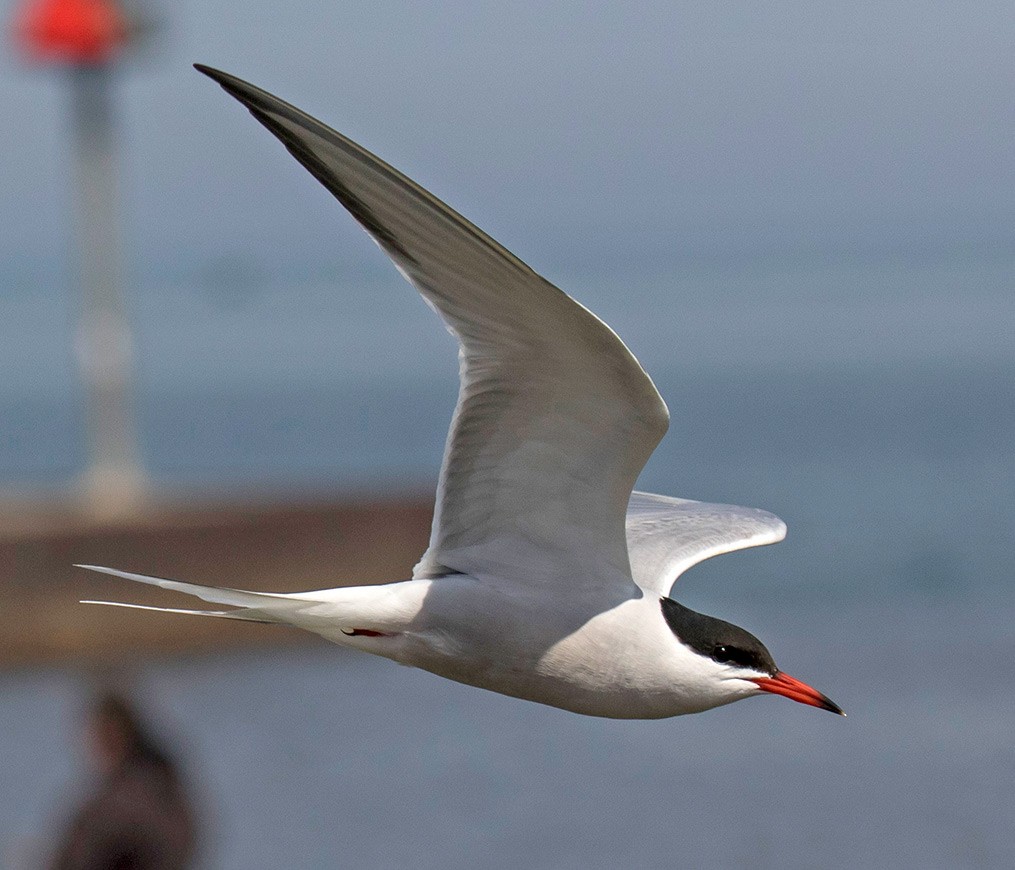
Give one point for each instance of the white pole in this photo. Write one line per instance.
(114, 482)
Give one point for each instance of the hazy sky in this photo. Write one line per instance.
(648, 133)
(753, 149)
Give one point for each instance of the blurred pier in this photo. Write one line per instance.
(255, 544)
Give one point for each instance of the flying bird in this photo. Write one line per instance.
(546, 577)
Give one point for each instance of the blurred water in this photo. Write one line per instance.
(321, 759)
(893, 594)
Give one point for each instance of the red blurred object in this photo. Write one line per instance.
(83, 32)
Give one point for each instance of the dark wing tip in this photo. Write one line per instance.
(248, 94)
(232, 85)
(216, 75)
(211, 72)
(265, 107)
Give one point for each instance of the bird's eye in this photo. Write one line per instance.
(726, 654)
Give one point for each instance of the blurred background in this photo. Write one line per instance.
(798, 216)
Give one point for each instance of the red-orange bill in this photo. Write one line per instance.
(784, 684)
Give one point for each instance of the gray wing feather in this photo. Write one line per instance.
(555, 417)
(666, 536)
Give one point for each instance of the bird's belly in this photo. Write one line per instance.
(598, 667)
(591, 690)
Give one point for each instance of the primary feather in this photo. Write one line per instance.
(555, 417)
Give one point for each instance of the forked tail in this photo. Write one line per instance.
(249, 606)
(353, 616)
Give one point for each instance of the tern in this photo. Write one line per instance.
(547, 577)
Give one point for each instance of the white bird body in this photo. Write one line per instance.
(616, 659)
(546, 577)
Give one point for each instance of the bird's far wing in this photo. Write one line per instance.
(666, 536)
(555, 416)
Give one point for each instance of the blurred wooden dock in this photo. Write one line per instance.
(263, 545)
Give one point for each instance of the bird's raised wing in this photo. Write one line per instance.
(555, 416)
(666, 536)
